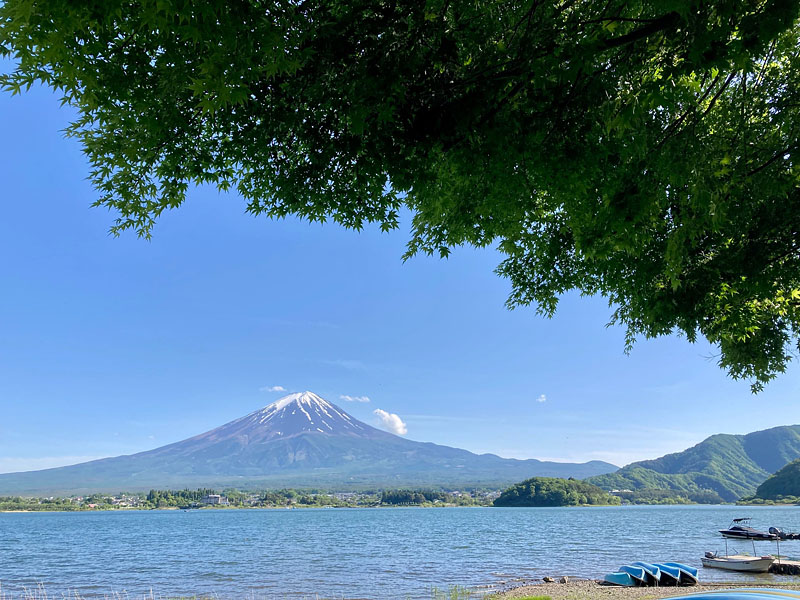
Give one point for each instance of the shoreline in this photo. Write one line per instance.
(591, 589)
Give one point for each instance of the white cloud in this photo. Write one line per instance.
(542, 398)
(354, 398)
(274, 388)
(391, 422)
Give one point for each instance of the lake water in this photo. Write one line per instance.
(356, 553)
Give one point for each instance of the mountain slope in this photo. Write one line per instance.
(786, 482)
(731, 465)
(300, 440)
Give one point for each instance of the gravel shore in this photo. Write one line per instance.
(593, 590)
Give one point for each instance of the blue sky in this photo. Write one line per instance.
(115, 345)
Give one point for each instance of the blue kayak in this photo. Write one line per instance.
(688, 575)
(745, 594)
(620, 579)
(669, 575)
(653, 572)
(772, 592)
(769, 592)
(638, 573)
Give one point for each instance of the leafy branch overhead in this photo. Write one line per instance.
(642, 150)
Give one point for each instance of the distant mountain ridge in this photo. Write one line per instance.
(302, 440)
(731, 465)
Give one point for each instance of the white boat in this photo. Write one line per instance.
(738, 562)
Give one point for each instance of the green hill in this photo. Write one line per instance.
(784, 483)
(552, 491)
(730, 465)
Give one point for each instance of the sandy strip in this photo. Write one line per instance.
(592, 590)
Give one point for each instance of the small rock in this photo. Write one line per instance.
(564, 579)
(548, 579)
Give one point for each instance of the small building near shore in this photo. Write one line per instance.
(215, 499)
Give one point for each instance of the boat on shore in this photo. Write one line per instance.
(623, 579)
(688, 575)
(669, 575)
(738, 562)
(653, 572)
(740, 529)
(639, 574)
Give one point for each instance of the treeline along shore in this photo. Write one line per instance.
(536, 491)
(224, 499)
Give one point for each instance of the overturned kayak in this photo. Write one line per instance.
(653, 572)
(669, 575)
(638, 573)
(688, 575)
(624, 579)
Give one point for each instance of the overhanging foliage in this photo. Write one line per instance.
(641, 150)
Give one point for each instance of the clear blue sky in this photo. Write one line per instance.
(112, 346)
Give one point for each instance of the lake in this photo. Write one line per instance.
(356, 553)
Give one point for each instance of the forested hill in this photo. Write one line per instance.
(554, 491)
(782, 485)
(731, 465)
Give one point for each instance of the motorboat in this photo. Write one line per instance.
(688, 575)
(783, 535)
(738, 562)
(639, 575)
(623, 579)
(740, 529)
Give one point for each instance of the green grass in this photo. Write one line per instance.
(454, 592)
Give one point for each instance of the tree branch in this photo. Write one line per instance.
(665, 22)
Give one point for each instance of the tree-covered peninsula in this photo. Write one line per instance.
(782, 487)
(552, 491)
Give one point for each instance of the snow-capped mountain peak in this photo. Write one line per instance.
(304, 411)
(292, 415)
(299, 440)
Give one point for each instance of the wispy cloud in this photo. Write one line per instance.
(344, 363)
(391, 422)
(272, 388)
(541, 398)
(347, 398)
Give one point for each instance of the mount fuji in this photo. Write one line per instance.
(302, 440)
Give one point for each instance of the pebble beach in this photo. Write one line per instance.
(583, 589)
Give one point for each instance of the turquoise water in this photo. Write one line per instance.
(356, 553)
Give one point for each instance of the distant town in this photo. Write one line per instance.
(205, 498)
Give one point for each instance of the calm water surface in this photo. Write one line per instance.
(356, 553)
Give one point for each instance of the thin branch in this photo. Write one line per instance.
(776, 157)
(665, 22)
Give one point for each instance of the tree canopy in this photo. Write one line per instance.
(783, 484)
(552, 491)
(642, 150)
